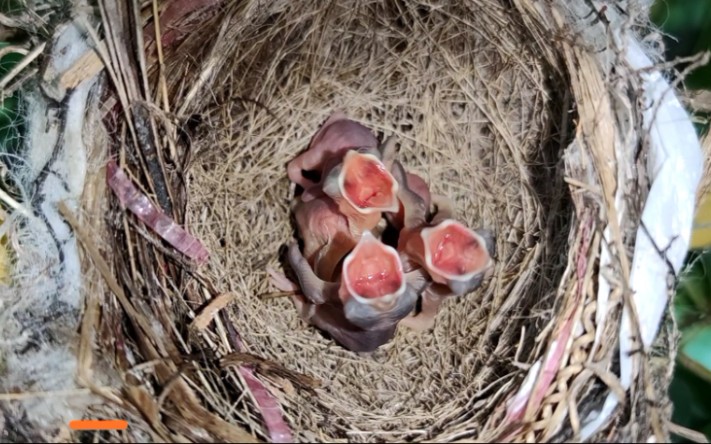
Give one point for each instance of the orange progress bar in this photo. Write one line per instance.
(96, 424)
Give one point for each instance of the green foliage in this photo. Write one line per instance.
(692, 304)
(692, 309)
(692, 402)
(10, 111)
(687, 28)
(691, 386)
(11, 7)
(687, 24)
(11, 125)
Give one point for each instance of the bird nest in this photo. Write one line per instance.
(510, 109)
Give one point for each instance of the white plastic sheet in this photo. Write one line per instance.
(674, 167)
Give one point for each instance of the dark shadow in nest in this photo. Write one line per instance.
(547, 172)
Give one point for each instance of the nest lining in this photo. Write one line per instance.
(465, 97)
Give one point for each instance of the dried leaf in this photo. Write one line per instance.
(202, 320)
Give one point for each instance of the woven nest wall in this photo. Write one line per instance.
(470, 114)
(507, 108)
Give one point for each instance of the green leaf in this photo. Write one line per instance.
(692, 403)
(11, 121)
(706, 430)
(699, 78)
(692, 303)
(688, 25)
(11, 7)
(695, 350)
(9, 60)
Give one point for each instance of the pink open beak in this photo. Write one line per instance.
(452, 253)
(363, 189)
(372, 272)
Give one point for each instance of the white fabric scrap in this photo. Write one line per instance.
(40, 314)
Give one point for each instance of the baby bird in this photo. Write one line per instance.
(388, 153)
(335, 137)
(363, 189)
(417, 185)
(348, 157)
(325, 233)
(454, 256)
(361, 309)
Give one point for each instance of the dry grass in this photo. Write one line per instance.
(476, 98)
(467, 104)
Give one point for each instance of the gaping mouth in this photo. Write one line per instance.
(454, 251)
(373, 270)
(367, 185)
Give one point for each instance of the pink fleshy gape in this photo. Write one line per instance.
(455, 250)
(367, 184)
(374, 272)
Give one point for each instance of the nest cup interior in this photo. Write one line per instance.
(465, 94)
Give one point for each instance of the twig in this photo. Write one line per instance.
(691, 435)
(203, 319)
(19, 82)
(29, 58)
(49, 394)
(277, 294)
(12, 203)
(266, 366)
(9, 22)
(161, 61)
(13, 48)
(697, 60)
(101, 265)
(662, 252)
(151, 239)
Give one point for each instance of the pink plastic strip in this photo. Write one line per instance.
(130, 197)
